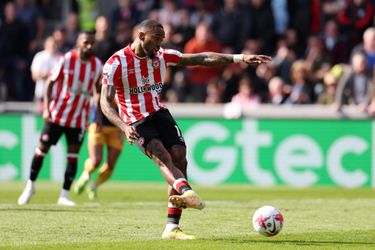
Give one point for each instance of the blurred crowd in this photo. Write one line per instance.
(323, 50)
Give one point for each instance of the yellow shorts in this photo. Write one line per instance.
(108, 135)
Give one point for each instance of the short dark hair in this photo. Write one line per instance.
(149, 24)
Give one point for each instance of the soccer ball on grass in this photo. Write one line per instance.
(268, 221)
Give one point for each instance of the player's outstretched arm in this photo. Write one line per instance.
(106, 98)
(218, 59)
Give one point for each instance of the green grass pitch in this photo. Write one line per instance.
(132, 216)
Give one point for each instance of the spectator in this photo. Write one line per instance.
(327, 97)
(317, 64)
(176, 92)
(264, 73)
(226, 25)
(123, 34)
(302, 88)
(246, 95)
(168, 14)
(214, 91)
(283, 59)
(281, 15)
(32, 17)
(14, 42)
(201, 14)
(72, 28)
(105, 45)
(41, 66)
(357, 88)
(199, 75)
(260, 24)
(300, 19)
(124, 11)
(59, 34)
(276, 91)
(87, 12)
(367, 47)
(335, 47)
(183, 31)
(293, 42)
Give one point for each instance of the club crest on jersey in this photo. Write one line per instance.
(155, 63)
(145, 80)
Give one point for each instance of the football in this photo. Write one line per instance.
(268, 221)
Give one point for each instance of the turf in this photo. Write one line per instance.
(132, 216)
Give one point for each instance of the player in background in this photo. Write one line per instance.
(101, 132)
(134, 76)
(41, 66)
(72, 82)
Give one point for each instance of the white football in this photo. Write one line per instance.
(268, 221)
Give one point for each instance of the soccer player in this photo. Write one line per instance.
(134, 76)
(101, 132)
(73, 80)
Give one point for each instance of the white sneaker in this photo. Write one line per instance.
(26, 195)
(176, 234)
(63, 201)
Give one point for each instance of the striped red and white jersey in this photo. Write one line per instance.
(75, 81)
(138, 81)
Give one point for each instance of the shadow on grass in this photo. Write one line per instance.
(297, 242)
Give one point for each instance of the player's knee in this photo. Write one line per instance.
(180, 160)
(179, 156)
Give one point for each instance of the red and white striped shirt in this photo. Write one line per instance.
(75, 82)
(138, 81)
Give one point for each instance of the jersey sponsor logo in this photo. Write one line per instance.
(147, 88)
(145, 80)
(78, 90)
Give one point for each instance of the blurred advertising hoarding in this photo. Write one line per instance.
(265, 152)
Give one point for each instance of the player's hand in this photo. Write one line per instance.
(99, 125)
(131, 134)
(256, 59)
(46, 115)
(98, 128)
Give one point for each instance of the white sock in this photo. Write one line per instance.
(30, 184)
(85, 176)
(64, 193)
(170, 227)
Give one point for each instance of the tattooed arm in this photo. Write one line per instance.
(106, 98)
(218, 59)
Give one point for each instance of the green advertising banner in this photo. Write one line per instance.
(261, 152)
